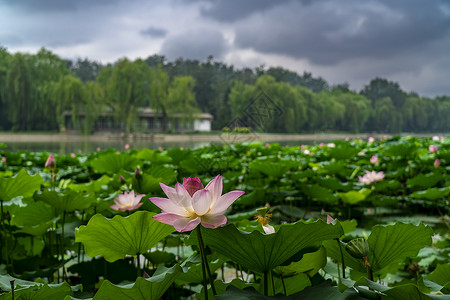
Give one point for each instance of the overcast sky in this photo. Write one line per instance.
(353, 41)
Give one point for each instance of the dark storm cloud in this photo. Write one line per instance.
(154, 32)
(327, 32)
(225, 10)
(195, 44)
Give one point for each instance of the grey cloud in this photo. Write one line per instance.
(226, 10)
(154, 32)
(327, 32)
(196, 44)
(55, 5)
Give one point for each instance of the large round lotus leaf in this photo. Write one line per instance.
(114, 238)
(142, 289)
(68, 201)
(20, 185)
(113, 163)
(263, 252)
(393, 243)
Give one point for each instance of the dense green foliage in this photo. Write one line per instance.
(36, 90)
(60, 238)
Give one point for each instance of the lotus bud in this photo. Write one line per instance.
(329, 219)
(50, 163)
(432, 148)
(437, 163)
(122, 180)
(358, 248)
(192, 185)
(137, 173)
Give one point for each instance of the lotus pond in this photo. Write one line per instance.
(347, 220)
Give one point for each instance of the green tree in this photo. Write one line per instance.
(181, 101)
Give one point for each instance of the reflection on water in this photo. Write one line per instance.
(86, 146)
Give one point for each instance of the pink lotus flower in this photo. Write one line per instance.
(127, 201)
(437, 163)
(72, 155)
(321, 144)
(370, 177)
(127, 146)
(3, 159)
(432, 148)
(331, 145)
(371, 139)
(50, 163)
(189, 204)
(436, 138)
(374, 159)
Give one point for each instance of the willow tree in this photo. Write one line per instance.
(5, 58)
(20, 104)
(159, 93)
(181, 100)
(128, 90)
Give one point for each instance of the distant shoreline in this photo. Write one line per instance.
(26, 137)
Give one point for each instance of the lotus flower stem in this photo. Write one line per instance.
(266, 288)
(284, 286)
(205, 266)
(138, 267)
(203, 254)
(273, 284)
(342, 257)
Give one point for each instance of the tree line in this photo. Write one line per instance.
(37, 89)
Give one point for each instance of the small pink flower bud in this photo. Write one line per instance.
(371, 139)
(127, 146)
(3, 159)
(374, 159)
(321, 144)
(192, 185)
(329, 219)
(437, 163)
(72, 155)
(432, 148)
(50, 163)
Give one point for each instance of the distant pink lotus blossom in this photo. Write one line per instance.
(331, 145)
(437, 163)
(267, 145)
(3, 159)
(347, 139)
(371, 139)
(50, 163)
(362, 153)
(127, 201)
(307, 152)
(72, 155)
(432, 148)
(302, 147)
(189, 204)
(370, 177)
(321, 144)
(435, 138)
(374, 159)
(127, 146)
(160, 149)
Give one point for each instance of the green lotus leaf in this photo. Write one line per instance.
(144, 289)
(353, 197)
(68, 201)
(114, 238)
(441, 274)
(149, 181)
(432, 193)
(22, 184)
(316, 192)
(113, 163)
(393, 243)
(424, 180)
(34, 290)
(34, 218)
(309, 264)
(401, 292)
(260, 252)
